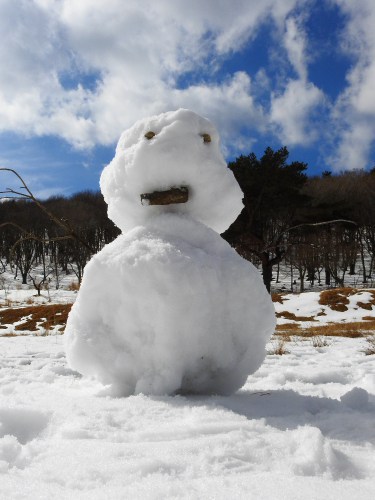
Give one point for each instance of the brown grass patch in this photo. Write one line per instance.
(365, 305)
(291, 316)
(336, 299)
(74, 286)
(10, 335)
(287, 327)
(277, 297)
(45, 316)
(355, 329)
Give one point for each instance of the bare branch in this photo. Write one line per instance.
(62, 223)
(317, 224)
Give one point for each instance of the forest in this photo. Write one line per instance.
(319, 228)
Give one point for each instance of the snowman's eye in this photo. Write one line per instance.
(206, 137)
(149, 135)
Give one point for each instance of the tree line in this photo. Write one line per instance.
(30, 238)
(318, 227)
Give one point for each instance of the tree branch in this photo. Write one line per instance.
(62, 223)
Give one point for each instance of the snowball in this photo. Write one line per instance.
(10, 450)
(169, 307)
(356, 399)
(313, 455)
(183, 152)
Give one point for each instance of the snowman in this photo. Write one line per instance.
(169, 307)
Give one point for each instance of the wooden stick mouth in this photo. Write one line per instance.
(168, 197)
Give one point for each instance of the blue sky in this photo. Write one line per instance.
(75, 74)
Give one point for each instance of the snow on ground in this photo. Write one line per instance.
(307, 305)
(302, 427)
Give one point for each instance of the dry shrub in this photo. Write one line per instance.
(74, 286)
(319, 341)
(45, 316)
(291, 316)
(278, 347)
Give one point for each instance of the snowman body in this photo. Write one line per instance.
(169, 306)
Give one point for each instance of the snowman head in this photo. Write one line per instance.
(176, 152)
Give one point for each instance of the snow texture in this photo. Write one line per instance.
(284, 435)
(169, 306)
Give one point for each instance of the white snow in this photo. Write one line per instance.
(301, 427)
(307, 305)
(169, 306)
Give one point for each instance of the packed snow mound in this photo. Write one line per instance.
(169, 307)
(183, 152)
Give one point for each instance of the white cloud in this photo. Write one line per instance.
(354, 111)
(295, 45)
(293, 109)
(138, 51)
(291, 112)
(354, 147)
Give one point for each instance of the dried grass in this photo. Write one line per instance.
(277, 297)
(287, 327)
(337, 299)
(355, 329)
(291, 316)
(365, 305)
(45, 316)
(319, 341)
(74, 286)
(278, 347)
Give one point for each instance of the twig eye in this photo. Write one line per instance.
(206, 137)
(149, 135)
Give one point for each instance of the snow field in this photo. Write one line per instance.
(302, 424)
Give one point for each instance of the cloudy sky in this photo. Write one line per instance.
(75, 73)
